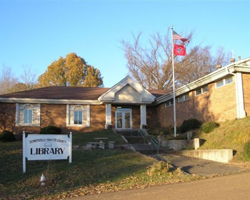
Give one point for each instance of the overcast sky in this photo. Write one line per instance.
(34, 33)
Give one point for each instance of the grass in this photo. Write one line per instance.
(91, 171)
(230, 135)
(82, 138)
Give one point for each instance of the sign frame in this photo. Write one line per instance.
(46, 147)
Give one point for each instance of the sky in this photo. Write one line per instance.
(34, 33)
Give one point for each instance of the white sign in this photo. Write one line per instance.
(46, 147)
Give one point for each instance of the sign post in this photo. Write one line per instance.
(46, 147)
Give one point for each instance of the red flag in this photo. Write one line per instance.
(176, 36)
(179, 50)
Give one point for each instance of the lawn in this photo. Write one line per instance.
(91, 171)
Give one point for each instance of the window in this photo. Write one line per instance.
(27, 114)
(219, 83)
(224, 81)
(205, 88)
(201, 90)
(78, 115)
(198, 91)
(169, 103)
(183, 97)
(229, 80)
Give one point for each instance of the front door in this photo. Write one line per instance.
(123, 119)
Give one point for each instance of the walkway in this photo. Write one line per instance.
(202, 167)
(232, 187)
(191, 165)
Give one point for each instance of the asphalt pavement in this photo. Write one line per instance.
(202, 167)
(230, 187)
(227, 183)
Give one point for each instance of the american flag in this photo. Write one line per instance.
(176, 36)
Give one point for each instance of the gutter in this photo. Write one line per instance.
(50, 101)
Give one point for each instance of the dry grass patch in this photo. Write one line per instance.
(91, 172)
(230, 135)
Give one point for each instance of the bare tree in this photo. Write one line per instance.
(151, 65)
(7, 119)
(7, 80)
(28, 78)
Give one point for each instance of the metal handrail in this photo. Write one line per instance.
(156, 143)
(140, 133)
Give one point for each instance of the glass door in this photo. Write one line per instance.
(123, 118)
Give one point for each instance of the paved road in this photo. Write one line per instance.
(231, 187)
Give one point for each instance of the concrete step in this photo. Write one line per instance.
(148, 149)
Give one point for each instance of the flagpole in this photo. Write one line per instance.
(174, 109)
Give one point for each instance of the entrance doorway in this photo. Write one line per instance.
(123, 118)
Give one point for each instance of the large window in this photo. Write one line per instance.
(224, 81)
(78, 115)
(28, 114)
(183, 97)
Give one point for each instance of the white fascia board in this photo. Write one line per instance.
(214, 76)
(218, 74)
(109, 96)
(49, 101)
(243, 69)
(148, 99)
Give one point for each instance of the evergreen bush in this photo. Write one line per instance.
(190, 124)
(7, 136)
(208, 127)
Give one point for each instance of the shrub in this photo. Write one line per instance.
(190, 124)
(157, 132)
(158, 168)
(178, 137)
(7, 136)
(246, 151)
(208, 127)
(50, 130)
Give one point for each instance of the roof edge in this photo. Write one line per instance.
(211, 77)
(50, 101)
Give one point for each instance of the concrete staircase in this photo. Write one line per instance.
(141, 141)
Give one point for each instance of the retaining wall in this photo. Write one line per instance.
(181, 144)
(219, 155)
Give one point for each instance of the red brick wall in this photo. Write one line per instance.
(51, 114)
(246, 90)
(219, 104)
(152, 119)
(136, 117)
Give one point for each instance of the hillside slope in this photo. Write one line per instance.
(230, 135)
